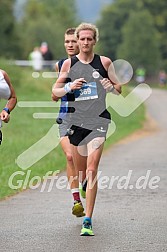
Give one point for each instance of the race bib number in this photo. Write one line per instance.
(87, 92)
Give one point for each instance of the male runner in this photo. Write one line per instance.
(71, 47)
(91, 77)
(7, 92)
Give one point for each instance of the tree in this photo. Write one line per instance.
(140, 44)
(115, 16)
(8, 34)
(47, 21)
(159, 14)
(112, 19)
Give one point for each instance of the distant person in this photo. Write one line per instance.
(36, 59)
(47, 54)
(162, 78)
(140, 74)
(7, 92)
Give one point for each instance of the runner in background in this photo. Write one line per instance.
(7, 92)
(162, 78)
(71, 47)
(140, 75)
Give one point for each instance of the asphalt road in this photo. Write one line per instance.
(130, 213)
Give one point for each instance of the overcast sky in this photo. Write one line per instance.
(88, 10)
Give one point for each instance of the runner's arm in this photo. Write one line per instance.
(61, 88)
(112, 83)
(12, 99)
(4, 115)
(54, 97)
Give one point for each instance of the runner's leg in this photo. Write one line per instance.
(77, 209)
(92, 168)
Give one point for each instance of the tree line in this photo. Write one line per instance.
(43, 21)
(131, 30)
(135, 31)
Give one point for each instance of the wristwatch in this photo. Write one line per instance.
(7, 110)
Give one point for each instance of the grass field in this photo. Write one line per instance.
(23, 130)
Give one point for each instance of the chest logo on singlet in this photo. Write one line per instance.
(95, 74)
(87, 92)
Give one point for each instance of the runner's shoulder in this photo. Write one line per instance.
(66, 64)
(105, 60)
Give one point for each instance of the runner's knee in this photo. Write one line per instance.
(69, 157)
(91, 172)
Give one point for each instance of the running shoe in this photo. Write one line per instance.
(82, 192)
(78, 209)
(82, 188)
(86, 229)
(0, 136)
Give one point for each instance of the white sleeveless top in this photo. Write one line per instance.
(5, 92)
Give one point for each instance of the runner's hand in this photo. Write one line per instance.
(106, 83)
(77, 84)
(4, 116)
(55, 98)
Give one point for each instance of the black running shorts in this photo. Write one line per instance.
(82, 136)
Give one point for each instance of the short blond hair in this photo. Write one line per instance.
(87, 26)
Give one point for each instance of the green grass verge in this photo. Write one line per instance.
(23, 130)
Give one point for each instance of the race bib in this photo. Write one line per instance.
(87, 92)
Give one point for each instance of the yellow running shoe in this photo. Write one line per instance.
(82, 188)
(86, 229)
(82, 192)
(78, 209)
